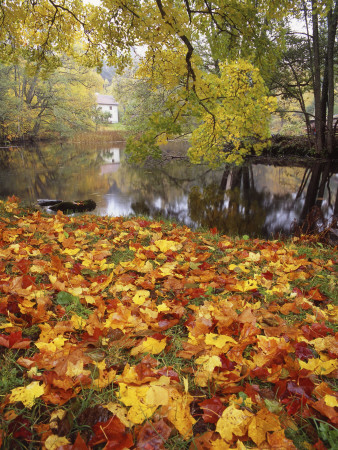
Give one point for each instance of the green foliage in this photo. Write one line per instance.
(72, 304)
(35, 105)
(327, 433)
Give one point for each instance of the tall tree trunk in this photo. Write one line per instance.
(320, 126)
(331, 35)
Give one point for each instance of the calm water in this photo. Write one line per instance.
(258, 199)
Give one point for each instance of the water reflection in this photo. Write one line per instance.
(260, 198)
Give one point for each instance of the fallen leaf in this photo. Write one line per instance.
(27, 394)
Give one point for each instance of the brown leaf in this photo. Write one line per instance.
(153, 436)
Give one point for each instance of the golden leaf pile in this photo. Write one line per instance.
(138, 334)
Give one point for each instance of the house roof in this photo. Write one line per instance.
(105, 99)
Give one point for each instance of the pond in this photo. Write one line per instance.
(262, 198)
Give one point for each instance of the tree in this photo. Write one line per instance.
(57, 105)
(41, 30)
(9, 105)
(291, 80)
(175, 64)
(307, 66)
(188, 45)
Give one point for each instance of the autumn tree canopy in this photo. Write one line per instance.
(197, 52)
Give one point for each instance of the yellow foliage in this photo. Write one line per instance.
(165, 245)
(234, 421)
(27, 394)
(150, 345)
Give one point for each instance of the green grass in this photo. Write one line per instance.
(113, 127)
(11, 372)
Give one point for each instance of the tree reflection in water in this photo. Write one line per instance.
(261, 198)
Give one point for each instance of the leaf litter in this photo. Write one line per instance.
(127, 333)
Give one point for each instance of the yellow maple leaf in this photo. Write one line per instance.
(331, 400)
(253, 257)
(322, 344)
(165, 245)
(70, 251)
(78, 322)
(168, 268)
(156, 396)
(261, 423)
(233, 421)
(163, 307)
(36, 269)
(218, 340)
(209, 362)
(134, 396)
(51, 347)
(141, 296)
(89, 299)
(247, 285)
(75, 291)
(53, 442)
(73, 370)
(150, 345)
(149, 312)
(221, 444)
(27, 394)
(119, 411)
(106, 376)
(179, 412)
(319, 367)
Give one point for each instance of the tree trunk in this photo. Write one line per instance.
(331, 35)
(320, 126)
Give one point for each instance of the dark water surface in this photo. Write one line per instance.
(262, 198)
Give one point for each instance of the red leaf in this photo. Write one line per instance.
(149, 254)
(76, 269)
(166, 321)
(158, 336)
(14, 340)
(194, 293)
(143, 223)
(319, 445)
(153, 435)
(112, 431)
(144, 371)
(169, 372)
(316, 330)
(212, 409)
(226, 364)
(46, 249)
(23, 265)
(302, 351)
(315, 294)
(20, 427)
(267, 275)
(79, 444)
(252, 391)
(27, 280)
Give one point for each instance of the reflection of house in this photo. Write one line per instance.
(110, 156)
(111, 160)
(107, 103)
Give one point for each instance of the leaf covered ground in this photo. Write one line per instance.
(124, 333)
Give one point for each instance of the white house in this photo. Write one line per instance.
(108, 104)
